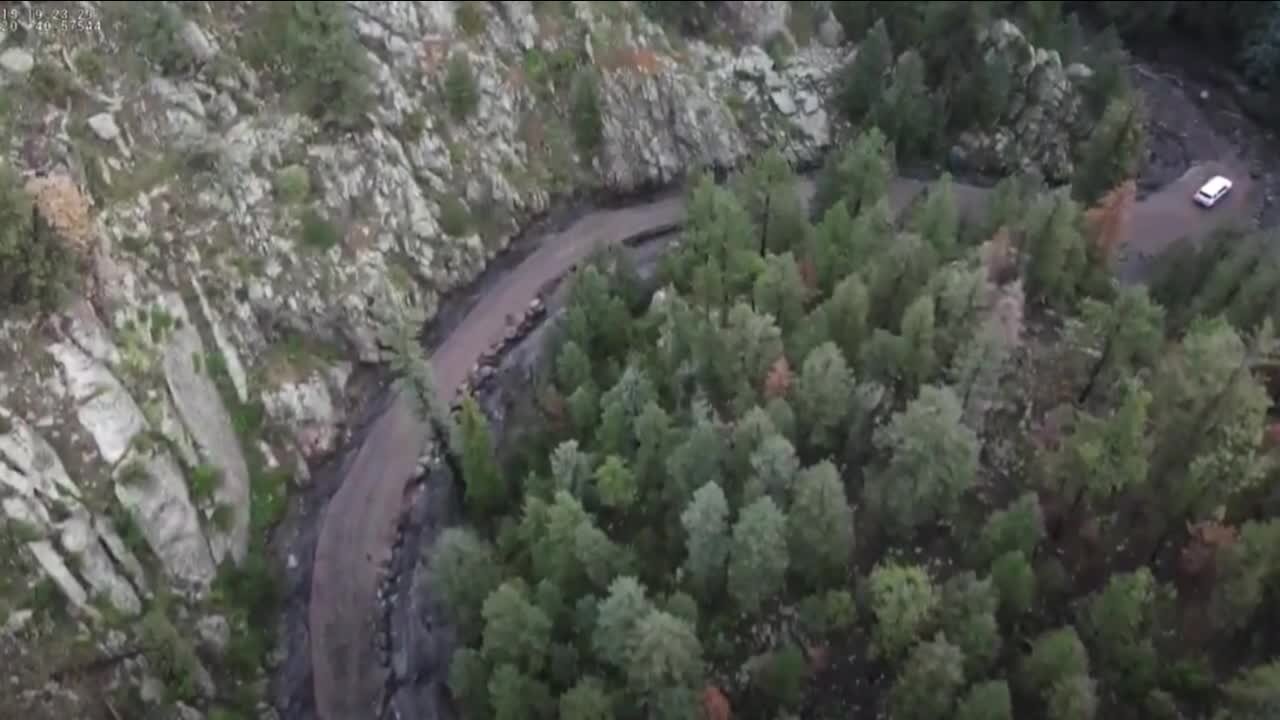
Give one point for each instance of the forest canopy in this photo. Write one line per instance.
(937, 464)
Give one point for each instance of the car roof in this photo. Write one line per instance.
(1217, 184)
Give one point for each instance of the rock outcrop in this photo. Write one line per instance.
(1043, 117)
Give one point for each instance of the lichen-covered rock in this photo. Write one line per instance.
(33, 480)
(1042, 120)
(308, 409)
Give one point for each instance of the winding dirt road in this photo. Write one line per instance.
(360, 521)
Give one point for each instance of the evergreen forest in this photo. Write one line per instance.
(926, 466)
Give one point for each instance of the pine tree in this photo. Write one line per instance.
(1015, 581)
(1106, 457)
(696, 461)
(1056, 251)
(937, 219)
(1208, 410)
(664, 656)
(986, 701)
(1016, 528)
(706, 525)
(584, 106)
(464, 570)
(615, 484)
(1055, 655)
(933, 460)
(768, 192)
(1115, 340)
(820, 525)
(409, 361)
(904, 603)
(919, 358)
(833, 245)
(515, 631)
(858, 173)
(552, 535)
(600, 557)
(1113, 152)
(572, 367)
(780, 291)
(620, 406)
(864, 81)
(468, 681)
(588, 699)
(822, 393)
(968, 619)
(758, 558)
(514, 695)
(930, 680)
(846, 315)
(1119, 622)
(485, 487)
(1254, 693)
(907, 110)
(617, 617)
(460, 89)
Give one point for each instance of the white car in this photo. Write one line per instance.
(1211, 192)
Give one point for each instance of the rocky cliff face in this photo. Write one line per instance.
(243, 259)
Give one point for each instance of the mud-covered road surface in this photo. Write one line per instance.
(358, 527)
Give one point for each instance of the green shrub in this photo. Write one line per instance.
(311, 49)
(584, 105)
(130, 531)
(413, 125)
(293, 184)
(134, 474)
(460, 90)
(154, 29)
(47, 598)
(223, 517)
(170, 654)
(36, 267)
(318, 233)
(784, 675)
(455, 220)
(269, 491)
(470, 18)
(89, 64)
(22, 531)
(51, 83)
(205, 480)
(779, 47)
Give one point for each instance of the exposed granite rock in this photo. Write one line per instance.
(161, 505)
(16, 62)
(32, 479)
(308, 408)
(204, 415)
(104, 407)
(104, 126)
(758, 20)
